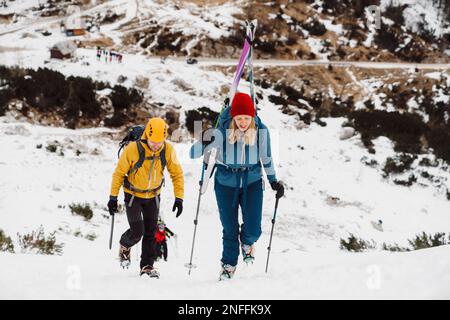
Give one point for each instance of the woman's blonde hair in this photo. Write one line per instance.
(249, 136)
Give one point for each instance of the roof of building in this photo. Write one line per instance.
(65, 47)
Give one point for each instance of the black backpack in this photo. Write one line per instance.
(134, 134)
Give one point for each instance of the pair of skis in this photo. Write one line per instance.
(209, 159)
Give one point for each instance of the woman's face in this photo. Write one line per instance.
(154, 146)
(243, 122)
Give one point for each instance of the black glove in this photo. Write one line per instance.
(278, 187)
(178, 205)
(112, 205)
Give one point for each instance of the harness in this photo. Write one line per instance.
(241, 174)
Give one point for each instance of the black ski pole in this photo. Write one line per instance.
(271, 233)
(112, 230)
(190, 266)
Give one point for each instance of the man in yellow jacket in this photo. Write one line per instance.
(141, 173)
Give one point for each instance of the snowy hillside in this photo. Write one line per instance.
(393, 166)
(306, 248)
(413, 30)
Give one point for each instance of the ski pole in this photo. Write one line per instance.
(271, 233)
(112, 230)
(190, 266)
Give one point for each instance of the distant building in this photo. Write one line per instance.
(75, 32)
(74, 26)
(63, 50)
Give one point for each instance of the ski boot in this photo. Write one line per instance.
(150, 271)
(227, 272)
(124, 257)
(248, 252)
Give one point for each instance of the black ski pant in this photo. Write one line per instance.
(162, 249)
(142, 218)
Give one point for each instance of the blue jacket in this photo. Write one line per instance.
(231, 171)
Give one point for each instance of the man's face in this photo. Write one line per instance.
(154, 146)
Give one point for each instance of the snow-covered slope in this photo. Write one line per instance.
(330, 193)
(417, 275)
(38, 186)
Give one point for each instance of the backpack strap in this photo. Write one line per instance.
(162, 156)
(141, 152)
(142, 157)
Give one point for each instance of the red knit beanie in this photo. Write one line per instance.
(242, 105)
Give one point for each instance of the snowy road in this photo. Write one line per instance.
(344, 64)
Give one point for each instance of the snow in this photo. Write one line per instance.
(372, 31)
(19, 6)
(417, 275)
(316, 46)
(314, 162)
(307, 232)
(336, 28)
(434, 75)
(440, 96)
(419, 11)
(413, 107)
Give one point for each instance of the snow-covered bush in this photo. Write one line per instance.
(5, 97)
(83, 210)
(438, 139)
(387, 38)
(315, 27)
(395, 13)
(122, 99)
(420, 241)
(348, 7)
(354, 244)
(426, 162)
(73, 100)
(277, 100)
(404, 129)
(398, 164)
(204, 114)
(394, 248)
(173, 120)
(407, 183)
(54, 147)
(91, 236)
(38, 242)
(423, 241)
(6, 243)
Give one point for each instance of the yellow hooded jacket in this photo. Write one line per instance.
(140, 178)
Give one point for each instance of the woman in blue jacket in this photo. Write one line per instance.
(243, 144)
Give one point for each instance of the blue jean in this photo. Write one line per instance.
(251, 217)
